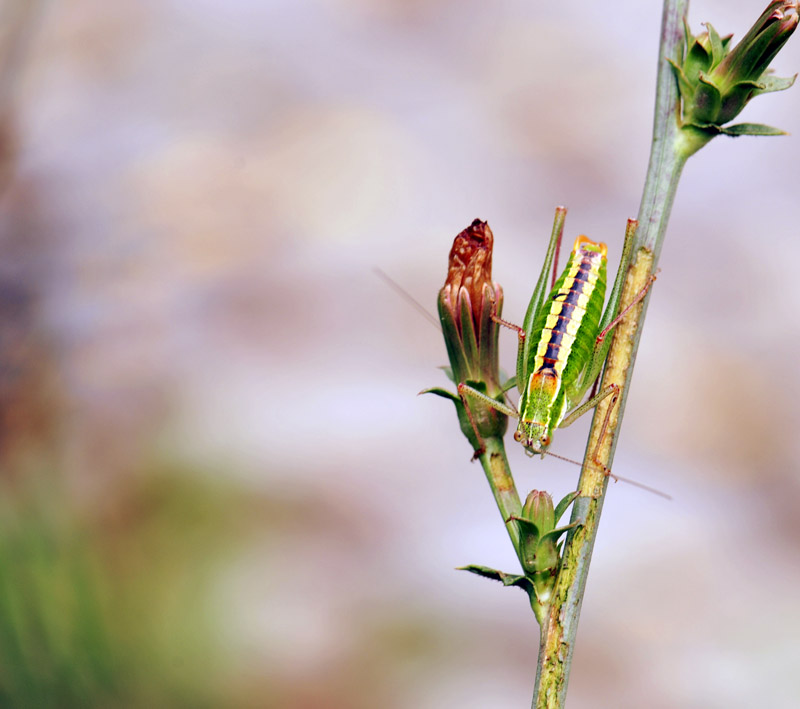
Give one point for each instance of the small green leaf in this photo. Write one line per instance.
(452, 338)
(768, 84)
(688, 38)
(697, 60)
(717, 50)
(441, 392)
(561, 507)
(684, 86)
(750, 129)
(487, 330)
(554, 534)
(526, 526)
(449, 373)
(469, 338)
(707, 101)
(484, 571)
(522, 582)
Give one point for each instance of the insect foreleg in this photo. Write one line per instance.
(579, 411)
(509, 325)
(520, 337)
(464, 391)
(467, 390)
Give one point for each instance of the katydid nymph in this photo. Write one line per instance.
(563, 343)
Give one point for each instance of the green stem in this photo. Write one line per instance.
(670, 149)
(498, 473)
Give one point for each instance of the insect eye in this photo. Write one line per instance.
(517, 436)
(545, 440)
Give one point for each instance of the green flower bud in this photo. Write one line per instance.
(538, 508)
(716, 82)
(539, 550)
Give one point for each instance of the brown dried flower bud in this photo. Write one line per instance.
(466, 305)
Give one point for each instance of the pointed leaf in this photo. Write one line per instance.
(452, 339)
(688, 38)
(487, 363)
(707, 101)
(511, 382)
(717, 50)
(469, 337)
(554, 534)
(561, 507)
(768, 84)
(698, 59)
(449, 373)
(493, 343)
(441, 392)
(685, 88)
(751, 129)
(484, 571)
(506, 579)
(697, 53)
(526, 526)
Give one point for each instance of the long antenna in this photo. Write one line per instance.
(403, 293)
(616, 477)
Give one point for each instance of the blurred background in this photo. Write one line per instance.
(218, 487)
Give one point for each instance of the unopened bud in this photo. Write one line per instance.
(716, 82)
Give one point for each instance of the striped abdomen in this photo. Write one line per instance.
(565, 332)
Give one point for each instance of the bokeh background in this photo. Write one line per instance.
(219, 487)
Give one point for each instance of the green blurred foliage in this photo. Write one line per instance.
(112, 612)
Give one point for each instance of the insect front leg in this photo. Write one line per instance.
(579, 411)
(464, 391)
(520, 338)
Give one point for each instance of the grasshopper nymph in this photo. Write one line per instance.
(563, 342)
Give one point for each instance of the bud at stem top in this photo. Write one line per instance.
(716, 82)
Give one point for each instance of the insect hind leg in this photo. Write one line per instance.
(613, 391)
(615, 395)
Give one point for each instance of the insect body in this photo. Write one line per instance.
(563, 343)
(556, 372)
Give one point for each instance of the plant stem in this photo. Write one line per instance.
(670, 150)
(498, 473)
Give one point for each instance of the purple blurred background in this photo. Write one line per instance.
(195, 195)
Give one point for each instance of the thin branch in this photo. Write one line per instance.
(666, 163)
